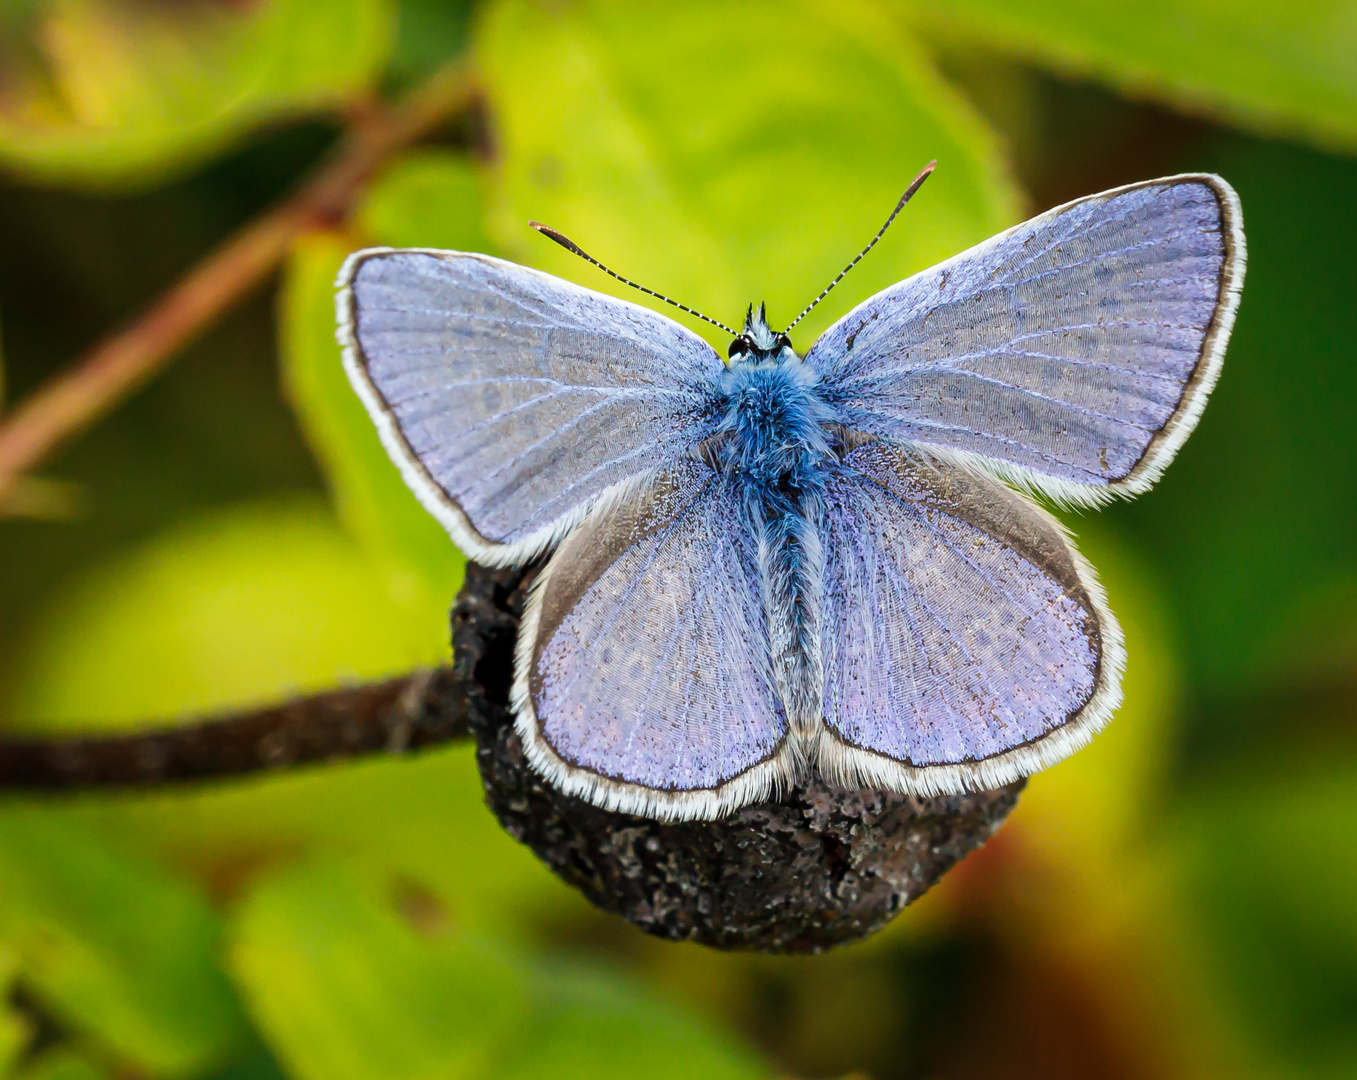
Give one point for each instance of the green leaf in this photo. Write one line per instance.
(14, 1029)
(664, 141)
(353, 976)
(1084, 815)
(1280, 69)
(425, 199)
(588, 1025)
(344, 989)
(241, 606)
(122, 93)
(60, 1064)
(1268, 866)
(431, 33)
(424, 816)
(112, 945)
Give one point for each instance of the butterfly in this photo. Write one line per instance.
(768, 563)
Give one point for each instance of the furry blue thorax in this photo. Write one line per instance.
(775, 422)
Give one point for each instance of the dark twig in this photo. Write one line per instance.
(74, 398)
(416, 711)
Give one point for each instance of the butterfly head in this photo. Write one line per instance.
(756, 342)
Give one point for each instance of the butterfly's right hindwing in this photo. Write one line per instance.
(644, 682)
(965, 641)
(510, 399)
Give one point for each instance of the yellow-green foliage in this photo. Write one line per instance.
(1192, 869)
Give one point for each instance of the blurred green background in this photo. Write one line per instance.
(1178, 900)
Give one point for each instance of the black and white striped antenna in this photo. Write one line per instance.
(914, 186)
(571, 246)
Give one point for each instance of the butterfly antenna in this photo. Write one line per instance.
(571, 246)
(914, 186)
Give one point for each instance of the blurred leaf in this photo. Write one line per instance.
(343, 990)
(113, 945)
(14, 1029)
(665, 143)
(43, 499)
(350, 979)
(240, 606)
(1085, 815)
(430, 33)
(255, 1063)
(1282, 69)
(122, 92)
(1269, 866)
(422, 816)
(60, 1064)
(1314, 643)
(426, 199)
(591, 1026)
(1081, 888)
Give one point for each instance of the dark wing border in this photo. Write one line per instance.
(1170, 438)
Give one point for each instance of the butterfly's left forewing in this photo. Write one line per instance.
(965, 643)
(644, 682)
(1072, 353)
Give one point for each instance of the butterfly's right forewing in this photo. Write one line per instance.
(510, 399)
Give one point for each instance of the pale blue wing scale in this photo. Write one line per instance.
(511, 399)
(964, 641)
(1073, 352)
(643, 677)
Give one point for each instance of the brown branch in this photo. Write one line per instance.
(419, 710)
(74, 398)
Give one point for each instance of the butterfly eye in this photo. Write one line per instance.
(738, 347)
(783, 341)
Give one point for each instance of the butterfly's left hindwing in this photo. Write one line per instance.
(1072, 353)
(643, 681)
(511, 399)
(965, 642)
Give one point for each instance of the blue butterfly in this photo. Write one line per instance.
(773, 563)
